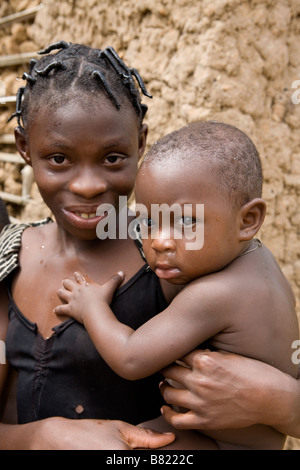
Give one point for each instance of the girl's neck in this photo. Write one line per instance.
(68, 244)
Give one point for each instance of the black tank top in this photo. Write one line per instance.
(65, 376)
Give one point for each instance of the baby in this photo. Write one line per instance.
(232, 295)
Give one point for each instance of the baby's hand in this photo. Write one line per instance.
(80, 296)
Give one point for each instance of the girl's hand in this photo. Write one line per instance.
(81, 295)
(94, 434)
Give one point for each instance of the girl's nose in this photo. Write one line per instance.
(87, 184)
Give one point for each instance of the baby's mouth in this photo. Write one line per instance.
(166, 271)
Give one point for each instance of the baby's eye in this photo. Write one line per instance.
(186, 221)
(146, 222)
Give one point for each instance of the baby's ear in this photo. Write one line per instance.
(251, 218)
(22, 144)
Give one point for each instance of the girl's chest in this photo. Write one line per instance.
(34, 287)
(34, 292)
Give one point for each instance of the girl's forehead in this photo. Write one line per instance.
(78, 114)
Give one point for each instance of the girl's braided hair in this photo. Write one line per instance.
(81, 68)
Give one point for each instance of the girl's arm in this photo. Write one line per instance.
(83, 434)
(160, 341)
(12, 437)
(4, 367)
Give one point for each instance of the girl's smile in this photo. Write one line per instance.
(84, 217)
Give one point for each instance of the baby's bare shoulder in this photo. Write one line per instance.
(260, 274)
(254, 278)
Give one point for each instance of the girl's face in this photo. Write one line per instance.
(167, 247)
(82, 158)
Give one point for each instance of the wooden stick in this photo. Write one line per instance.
(17, 59)
(12, 198)
(11, 158)
(7, 139)
(20, 16)
(8, 99)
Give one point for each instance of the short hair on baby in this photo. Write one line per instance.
(74, 71)
(231, 154)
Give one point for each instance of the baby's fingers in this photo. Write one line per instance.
(63, 294)
(68, 284)
(79, 278)
(62, 309)
(114, 282)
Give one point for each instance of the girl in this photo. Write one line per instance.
(80, 127)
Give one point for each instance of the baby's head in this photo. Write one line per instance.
(212, 171)
(221, 148)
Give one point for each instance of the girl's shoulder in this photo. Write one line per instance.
(10, 245)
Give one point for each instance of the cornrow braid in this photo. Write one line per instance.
(18, 112)
(54, 65)
(81, 68)
(54, 46)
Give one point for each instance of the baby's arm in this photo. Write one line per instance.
(160, 341)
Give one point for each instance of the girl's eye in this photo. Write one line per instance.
(59, 159)
(114, 159)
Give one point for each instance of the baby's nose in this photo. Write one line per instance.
(163, 243)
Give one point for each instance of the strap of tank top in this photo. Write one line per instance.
(10, 245)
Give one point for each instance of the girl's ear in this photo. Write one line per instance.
(252, 217)
(22, 144)
(142, 140)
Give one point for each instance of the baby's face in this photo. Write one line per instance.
(188, 228)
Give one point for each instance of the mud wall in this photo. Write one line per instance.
(231, 60)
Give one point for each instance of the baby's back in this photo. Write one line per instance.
(262, 312)
(263, 325)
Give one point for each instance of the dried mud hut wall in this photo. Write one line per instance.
(231, 60)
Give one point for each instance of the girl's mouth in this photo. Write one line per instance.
(85, 215)
(84, 219)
